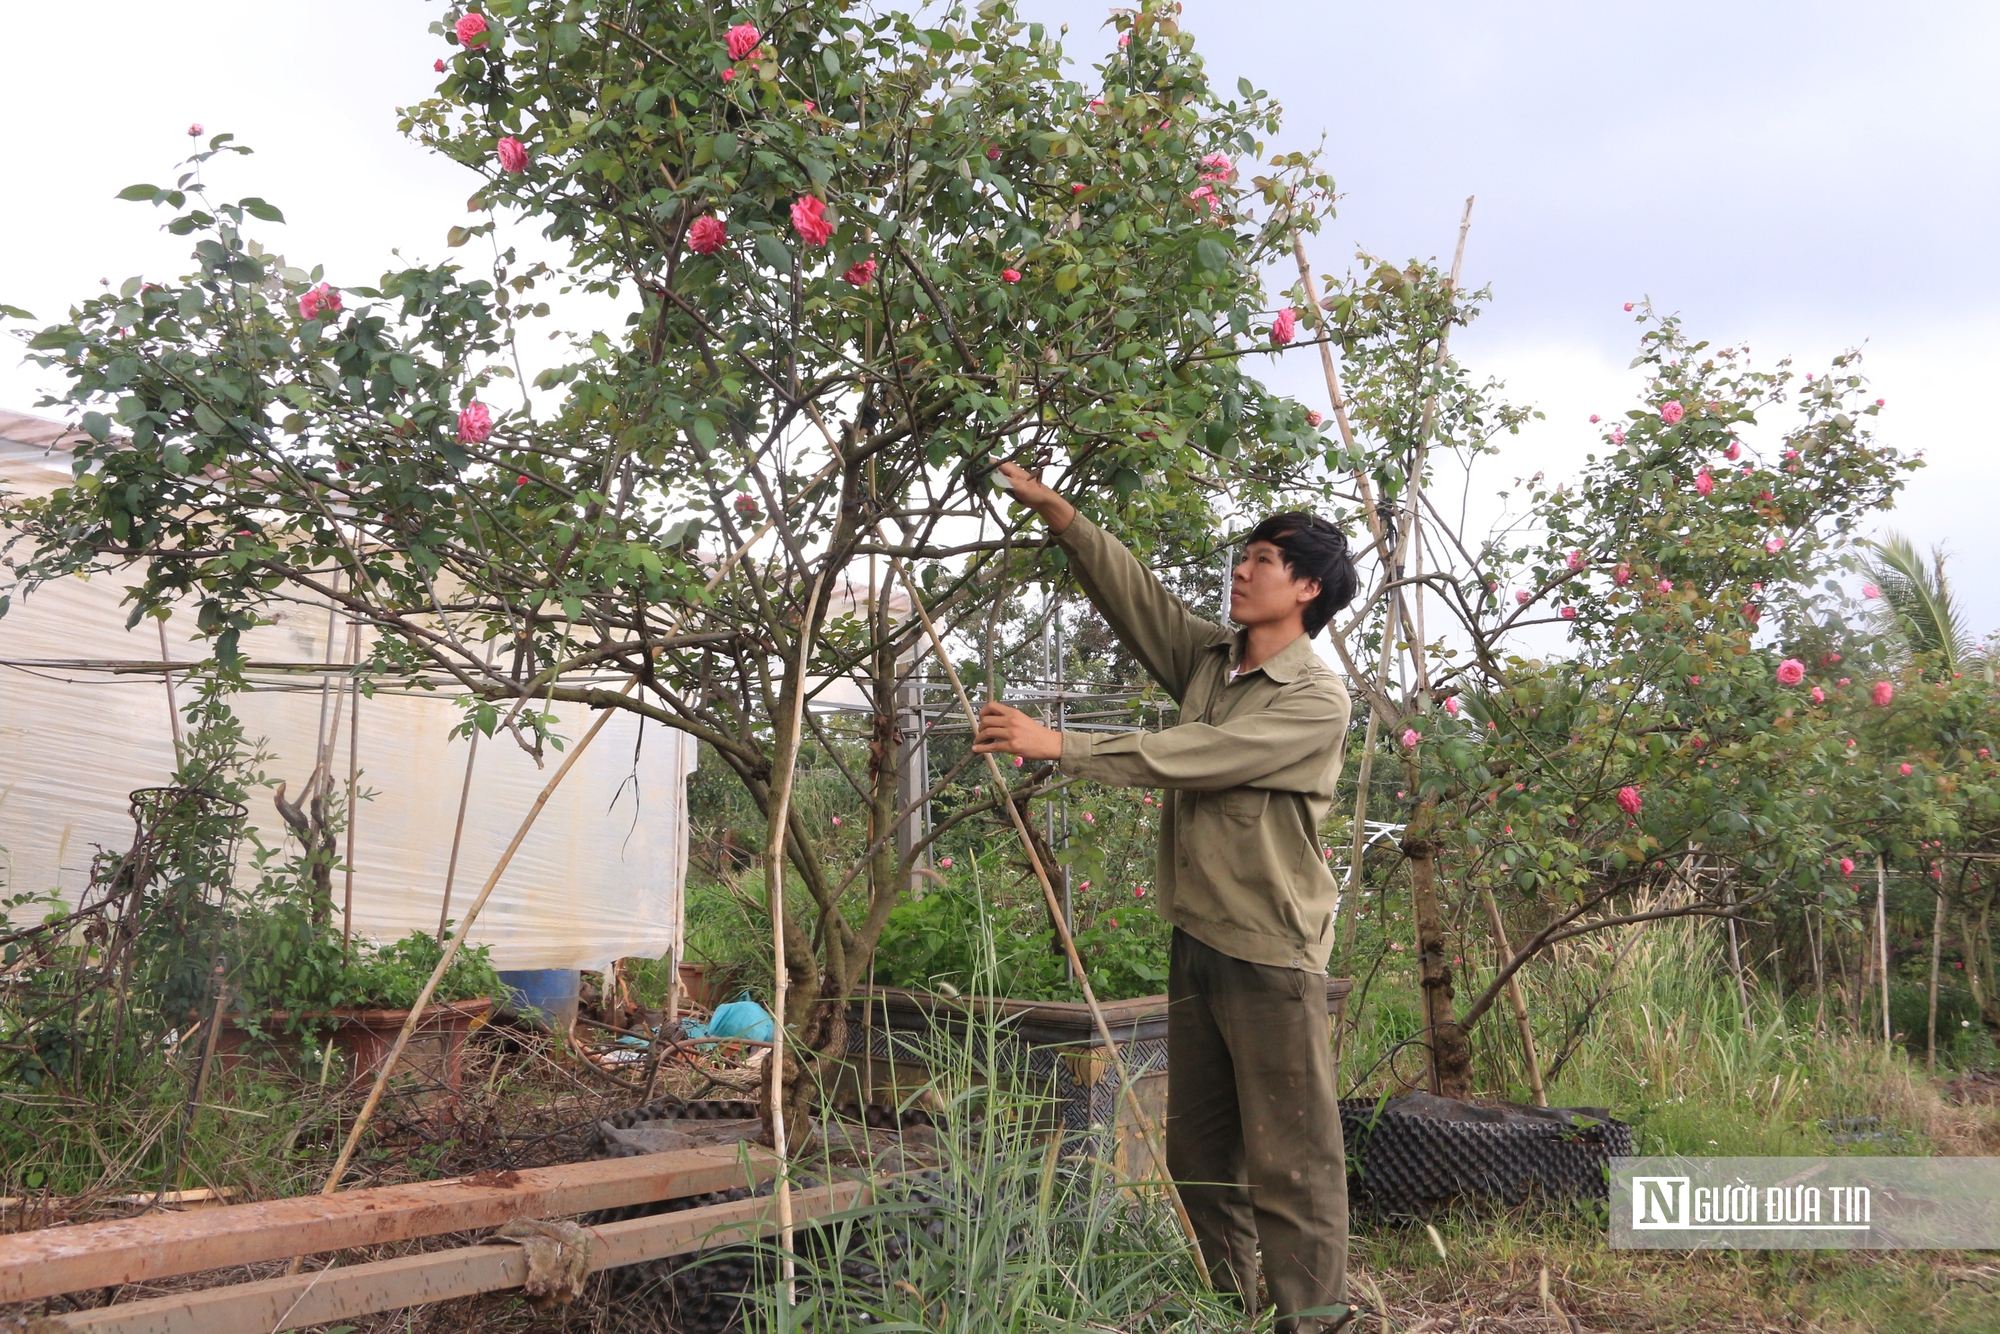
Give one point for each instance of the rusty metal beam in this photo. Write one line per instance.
(153, 1246)
(387, 1285)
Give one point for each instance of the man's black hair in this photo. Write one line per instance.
(1312, 549)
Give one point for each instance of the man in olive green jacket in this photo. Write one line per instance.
(1253, 1126)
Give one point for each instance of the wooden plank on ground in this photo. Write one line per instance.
(152, 1246)
(387, 1285)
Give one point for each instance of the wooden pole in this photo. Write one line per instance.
(1937, 958)
(173, 709)
(784, 768)
(1514, 996)
(1736, 967)
(353, 777)
(1144, 1122)
(458, 833)
(1882, 939)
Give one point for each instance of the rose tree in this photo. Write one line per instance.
(863, 258)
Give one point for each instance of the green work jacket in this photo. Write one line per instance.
(1249, 770)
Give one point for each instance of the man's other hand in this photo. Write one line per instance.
(1004, 730)
(1028, 489)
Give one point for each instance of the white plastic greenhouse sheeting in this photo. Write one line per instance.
(599, 877)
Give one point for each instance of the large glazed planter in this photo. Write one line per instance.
(430, 1067)
(893, 1038)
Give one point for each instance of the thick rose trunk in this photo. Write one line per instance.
(1450, 1063)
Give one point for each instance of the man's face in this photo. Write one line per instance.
(1263, 591)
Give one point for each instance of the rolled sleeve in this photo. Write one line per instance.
(1259, 749)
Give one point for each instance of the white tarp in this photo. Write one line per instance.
(599, 877)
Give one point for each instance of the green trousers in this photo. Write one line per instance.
(1253, 1127)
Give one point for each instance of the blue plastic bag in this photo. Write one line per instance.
(743, 1018)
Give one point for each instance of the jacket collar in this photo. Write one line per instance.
(1284, 666)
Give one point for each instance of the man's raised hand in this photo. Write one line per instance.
(1004, 730)
(1028, 489)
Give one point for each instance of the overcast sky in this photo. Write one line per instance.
(1804, 177)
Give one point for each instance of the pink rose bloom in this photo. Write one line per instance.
(861, 274)
(1617, 435)
(1870, 591)
(1124, 39)
(1088, 818)
(1666, 585)
(1790, 672)
(707, 234)
(1217, 167)
(1313, 418)
(746, 504)
(475, 423)
(1904, 770)
(1882, 694)
(1410, 738)
(1521, 596)
(1847, 866)
(1734, 452)
(809, 218)
(1593, 419)
(1575, 560)
(1791, 453)
(1076, 187)
(1774, 546)
(1818, 695)
(1845, 681)
(513, 155)
(1704, 483)
(471, 31)
(1881, 402)
(1017, 764)
(810, 105)
(945, 862)
(836, 819)
(1672, 412)
(1622, 575)
(1629, 800)
(194, 130)
(1568, 613)
(1010, 275)
(1284, 326)
(317, 301)
(1451, 706)
(1628, 305)
(1138, 891)
(438, 65)
(1752, 613)
(743, 39)
(992, 155)
(728, 75)
(1205, 194)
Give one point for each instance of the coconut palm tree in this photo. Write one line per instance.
(1916, 606)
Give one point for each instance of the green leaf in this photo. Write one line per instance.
(830, 59)
(1245, 87)
(139, 192)
(205, 418)
(14, 312)
(456, 237)
(1211, 254)
(725, 147)
(704, 431)
(97, 425)
(257, 208)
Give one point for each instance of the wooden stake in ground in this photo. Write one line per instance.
(1937, 957)
(173, 709)
(1514, 996)
(1144, 1122)
(783, 767)
(1882, 939)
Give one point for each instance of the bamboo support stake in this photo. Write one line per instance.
(1144, 1122)
(774, 892)
(1937, 958)
(458, 833)
(1882, 939)
(173, 709)
(1520, 1006)
(353, 779)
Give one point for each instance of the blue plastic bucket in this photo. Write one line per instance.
(543, 996)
